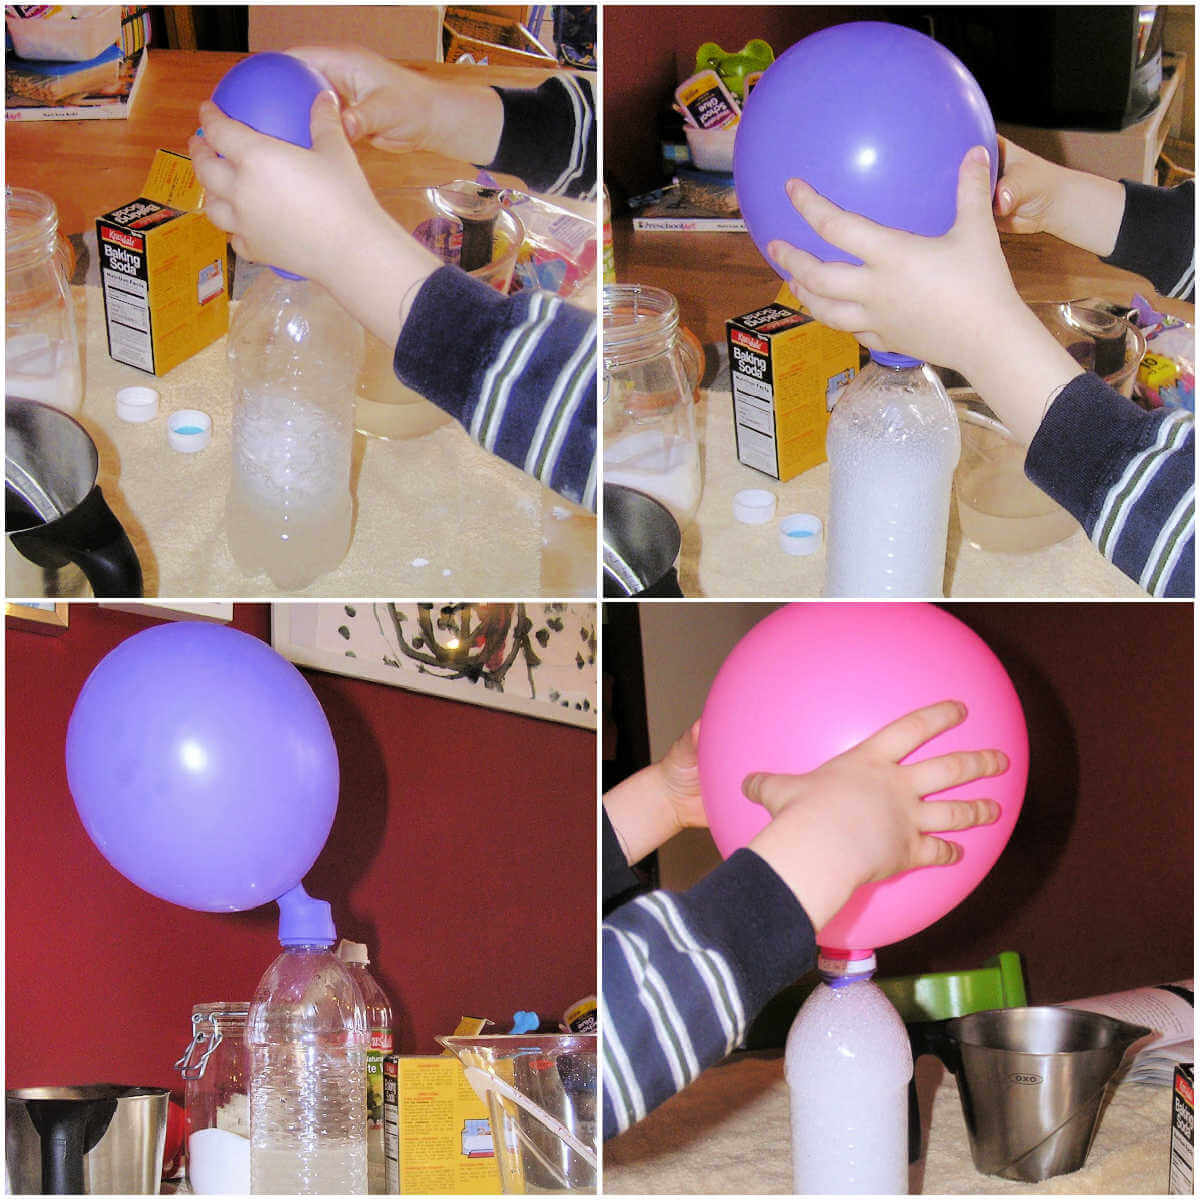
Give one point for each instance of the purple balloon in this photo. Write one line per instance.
(272, 93)
(203, 766)
(875, 117)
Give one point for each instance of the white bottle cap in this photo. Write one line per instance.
(137, 404)
(189, 430)
(352, 952)
(754, 506)
(845, 968)
(800, 534)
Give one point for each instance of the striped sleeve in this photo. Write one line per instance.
(685, 973)
(548, 138)
(1128, 476)
(1157, 238)
(519, 373)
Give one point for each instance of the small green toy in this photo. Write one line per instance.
(753, 58)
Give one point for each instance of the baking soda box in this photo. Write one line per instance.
(162, 271)
(786, 370)
(1181, 1180)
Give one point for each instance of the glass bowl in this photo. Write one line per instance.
(1097, 340)
(450, 219)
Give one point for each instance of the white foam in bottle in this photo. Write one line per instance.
(848, 1064)
(892, 443)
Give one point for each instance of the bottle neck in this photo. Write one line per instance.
(885, 358)
(840, 968)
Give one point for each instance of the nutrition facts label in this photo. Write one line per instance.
(127, 310)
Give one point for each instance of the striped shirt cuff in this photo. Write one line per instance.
(519, 373)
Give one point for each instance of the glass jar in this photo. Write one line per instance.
(650, 440)
(216, 1071)
(41, 345)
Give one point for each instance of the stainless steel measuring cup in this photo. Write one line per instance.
(1032, 1082)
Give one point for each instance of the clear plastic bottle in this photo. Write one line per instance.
(893, 443)
(847, 1065)
(295, 355)
(307, 1037)
(379, 1019)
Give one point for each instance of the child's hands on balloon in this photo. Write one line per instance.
(861, 817)
(651, 807)
(1035, 196)
(285, 205)
(939, 299)
(398, 109)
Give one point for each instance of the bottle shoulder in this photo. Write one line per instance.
(306, 994)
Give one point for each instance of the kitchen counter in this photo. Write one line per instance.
(432, 514)
(722, 557)
(715, 276)
(728, 1133)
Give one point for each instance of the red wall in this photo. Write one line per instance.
(650, 49)
(462, 854)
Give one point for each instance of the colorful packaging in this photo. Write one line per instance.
(706, 102)
(437, 1134)
(785, 371)
(162, 271)
(1181, 1180)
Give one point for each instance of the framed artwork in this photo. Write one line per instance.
(538, 659)
(38, 616)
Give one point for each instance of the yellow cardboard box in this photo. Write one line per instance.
(162, 271)
(785, 371)
(437, 1138)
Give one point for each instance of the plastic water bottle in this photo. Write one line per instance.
(379, 1019)
(307, 1038)
(295, 355)
(848, 1064)
(893, 444)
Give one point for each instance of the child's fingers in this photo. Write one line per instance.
(899, 739)
(229, 138)
(941, 816)
(936, 852)
(847, 231)
(949, 770)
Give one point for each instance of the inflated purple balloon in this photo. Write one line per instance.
(203, 766)
(875, 117)
(272, 93)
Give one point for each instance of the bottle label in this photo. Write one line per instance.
(380, 1047)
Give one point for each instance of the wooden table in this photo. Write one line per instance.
(718, 275)
(91, 167)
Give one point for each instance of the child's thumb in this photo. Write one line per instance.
(975, 186)
(325, 122)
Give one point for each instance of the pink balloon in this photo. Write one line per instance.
(812, 680)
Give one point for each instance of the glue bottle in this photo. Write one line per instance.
(847, 1065)
(379, 1019)
(892, 444)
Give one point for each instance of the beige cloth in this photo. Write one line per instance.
(434, 515)
(722, 557)
(728, 1134)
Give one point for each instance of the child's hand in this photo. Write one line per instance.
(399, 110)
(942, 299)
(284, 205)
(681, 780)
(1035, 196)
(860, 817)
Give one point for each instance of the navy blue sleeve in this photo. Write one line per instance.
(685, 973)
(1128, 476)
(1157, 238)
(519, 373)
(548, 138)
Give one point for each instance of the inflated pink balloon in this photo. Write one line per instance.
(811, 681)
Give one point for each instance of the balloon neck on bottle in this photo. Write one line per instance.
(304, 921)
(288, 274)
(885, 358)
(838, 968)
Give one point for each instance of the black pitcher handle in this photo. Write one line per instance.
(927, 1037)
(92, 537)
(68, 1129)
